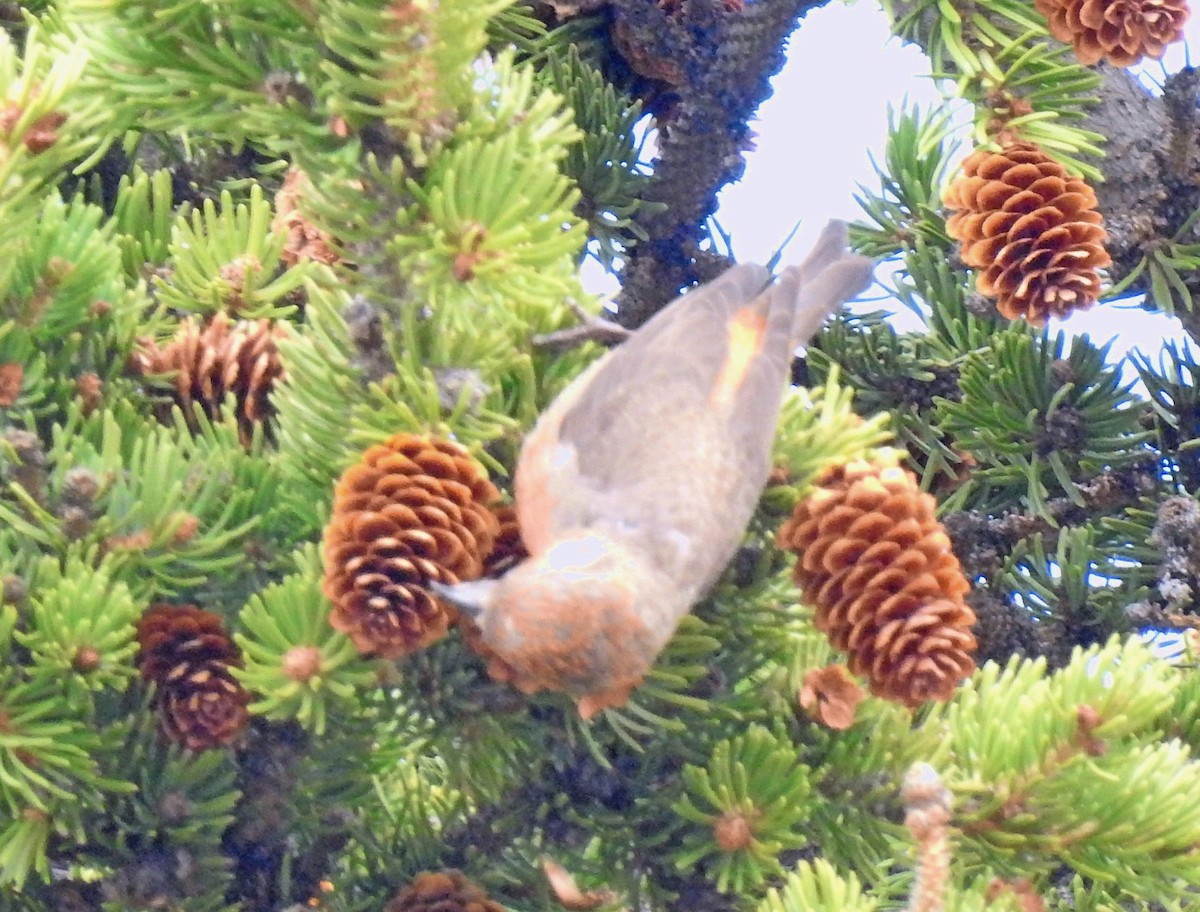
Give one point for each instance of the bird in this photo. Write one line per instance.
(636, 485)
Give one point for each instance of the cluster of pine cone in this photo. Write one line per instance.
(417, 510)
(1030, 227)
(873, 560)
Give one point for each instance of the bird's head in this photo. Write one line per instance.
(565, 620)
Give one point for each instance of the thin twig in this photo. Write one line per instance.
(590, 329)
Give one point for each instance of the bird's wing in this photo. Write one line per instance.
(723, 349)
(801, 300)
(661, 374)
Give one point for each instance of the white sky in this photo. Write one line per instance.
(828, 111)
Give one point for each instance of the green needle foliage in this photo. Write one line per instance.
(81, 624)
(912, 175)
(1041, 417)
(747, 806)
(816, 885)
(1090, 718)
(604, 163)
(180, 725)
(302, 671)
(227, 258)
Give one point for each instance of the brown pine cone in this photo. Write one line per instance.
(1119, 31)
(509, 549)
(415, 510)
(305, 241)
(830, 696)
(190, 656)
(222, 358)
(11, 376)
(877, 566)
(442, 891)
(1031, 229)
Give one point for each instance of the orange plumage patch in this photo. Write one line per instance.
(533, 495)
(745, 341)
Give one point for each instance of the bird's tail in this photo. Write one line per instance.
(829, 276)
(794, 307)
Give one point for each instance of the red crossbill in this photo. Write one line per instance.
(635, 488)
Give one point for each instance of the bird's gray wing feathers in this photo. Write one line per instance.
(660, 383)
(801, 300)
(656, 372)
(820, 296)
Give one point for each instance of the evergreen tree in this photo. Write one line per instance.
(284, 284)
